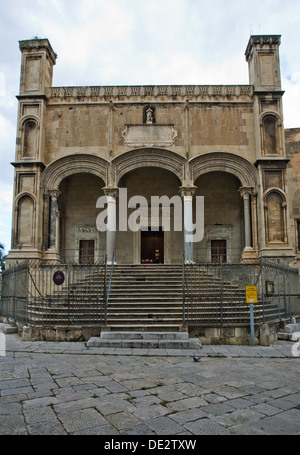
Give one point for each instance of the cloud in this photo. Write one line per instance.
(6, 198)
(118, 42)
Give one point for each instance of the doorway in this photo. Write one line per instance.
(152, 246)
(218, 251)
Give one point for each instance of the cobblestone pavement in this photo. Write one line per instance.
(50, 388)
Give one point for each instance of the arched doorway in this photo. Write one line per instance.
(223, 218)
(80, 241)
(150, 237)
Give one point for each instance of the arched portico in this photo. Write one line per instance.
(59, 169)
(246, 173)
(149, 157)
(52, 179)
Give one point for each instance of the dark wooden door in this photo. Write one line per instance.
(152, 247)
(218, 251)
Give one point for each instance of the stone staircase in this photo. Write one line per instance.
(146, 298)
(150, 298)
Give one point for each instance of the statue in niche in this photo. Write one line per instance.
(149, 115)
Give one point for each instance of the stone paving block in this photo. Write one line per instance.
(163, 425)
(138, 430)
(238, 417)
(276, 426)
(49, 427)
(81, 419)
(213, 398)
(218, 409)
(13, 425)
(168, 393)
(38, 415)
(123, 420)
(282, 403)
(266, 409)
(103, 430)
(190, 415)
(292, 415)
(240, 403)
(148, 412)
(188, 403)
(206, 427)
(37, 402)
(245, 430)
(7, 409)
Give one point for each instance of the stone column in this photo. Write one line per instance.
(111, 194)
(187, 193)
(54, 219)
(245, 192)
(248, 252)
(54, 228)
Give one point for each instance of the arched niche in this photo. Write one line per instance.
(25, 221)
(275, 216)
(30, 138)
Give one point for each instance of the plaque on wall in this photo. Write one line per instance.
(58, 278)
(149, 135)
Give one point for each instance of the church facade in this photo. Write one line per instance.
(213, 155)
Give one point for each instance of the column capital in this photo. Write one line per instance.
(54, 193)
(187, 190)
(245, 191)
(111, 191)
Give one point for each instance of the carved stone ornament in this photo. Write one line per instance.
(149, 135)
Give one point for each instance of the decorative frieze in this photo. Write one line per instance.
(164, 93)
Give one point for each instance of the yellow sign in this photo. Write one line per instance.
(251, 294)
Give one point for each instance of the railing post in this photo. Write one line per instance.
(109, 286)
(262, 289)
(183, 292)
(252, 324)
(221, 295)
(105, 287)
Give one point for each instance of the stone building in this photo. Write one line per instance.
(226, 143)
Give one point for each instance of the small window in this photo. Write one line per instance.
(86, 251)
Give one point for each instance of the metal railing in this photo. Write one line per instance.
(215, 294)
(108, 283)
(54, 294)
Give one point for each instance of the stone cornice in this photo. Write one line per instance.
(262, 40)
(147, 93)
(38, 44)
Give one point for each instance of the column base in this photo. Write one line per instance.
(249, 255)
(19, 256)
(52, 255)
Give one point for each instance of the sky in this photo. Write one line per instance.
(134, 42)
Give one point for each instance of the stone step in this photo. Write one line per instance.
(145, 340)
(112, 335)
(7, 328)
(291, 332)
